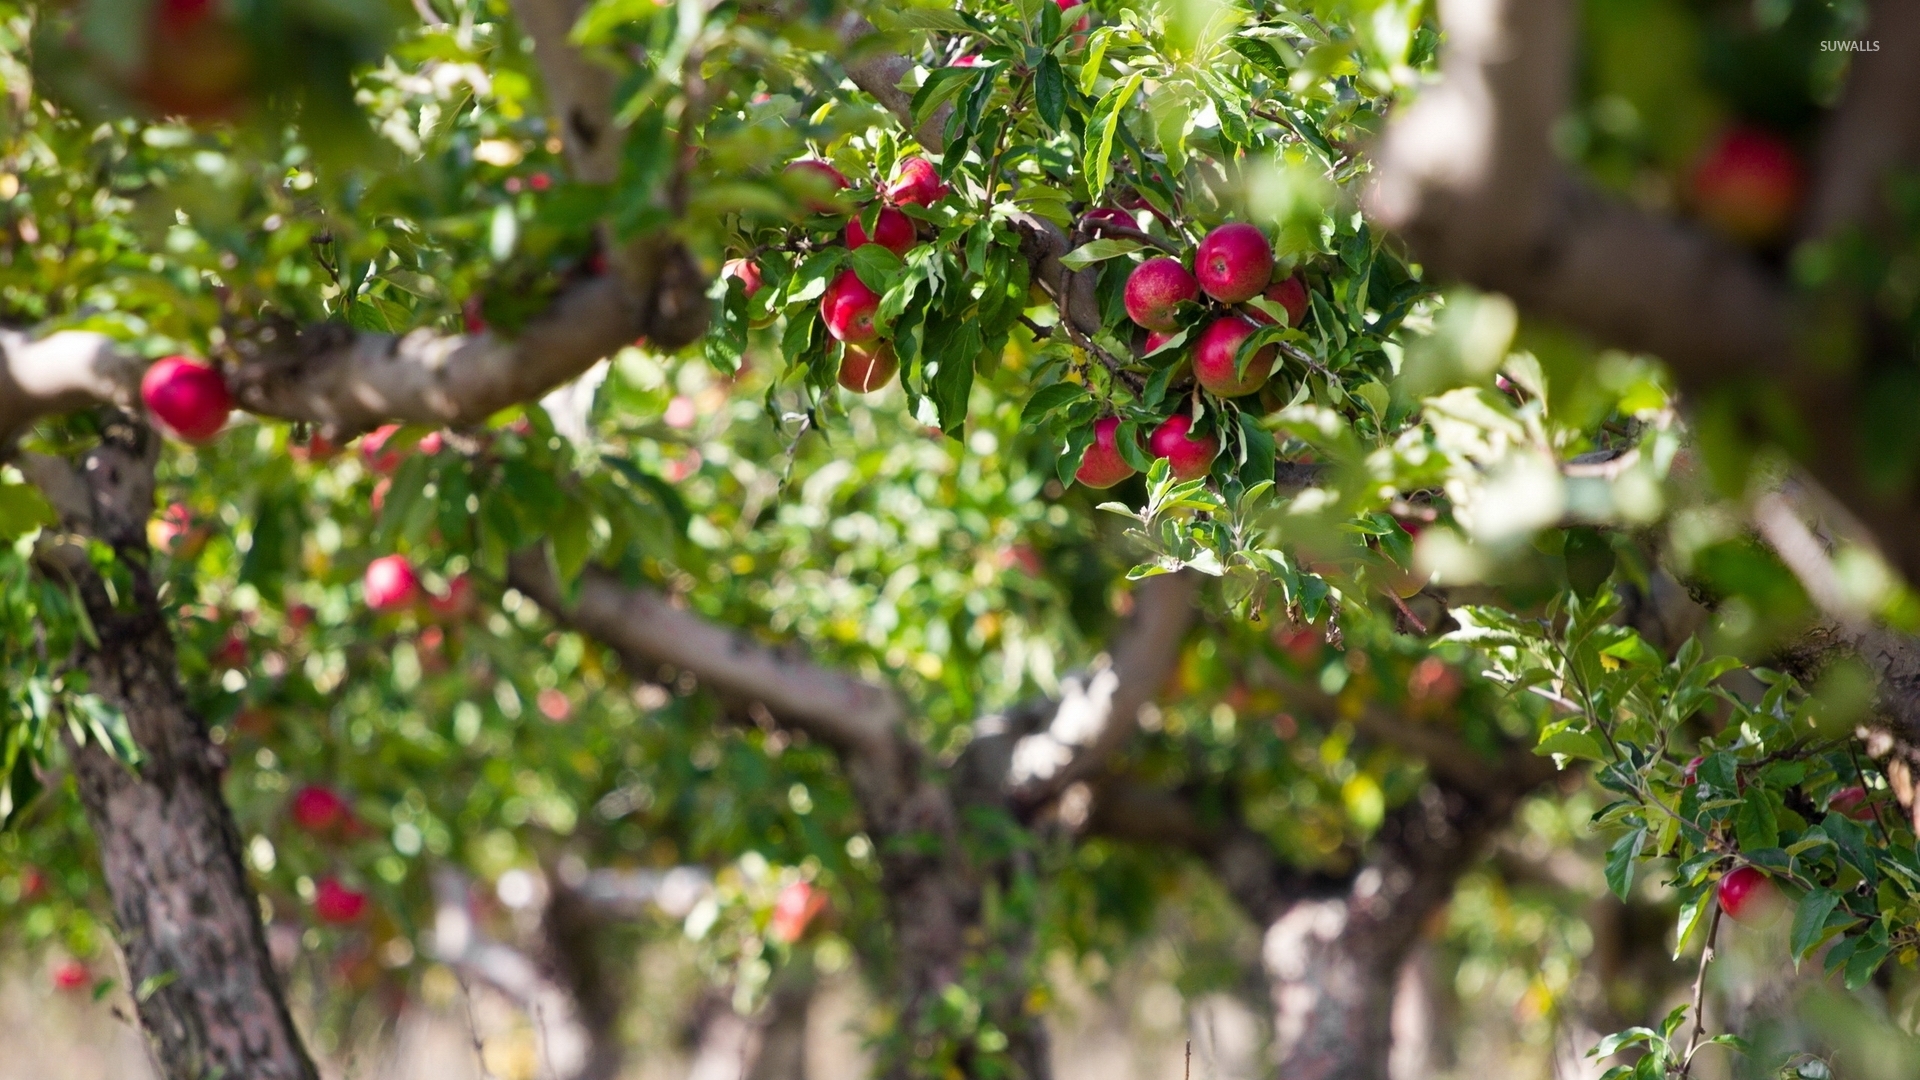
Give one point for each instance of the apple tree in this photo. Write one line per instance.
(933, 488)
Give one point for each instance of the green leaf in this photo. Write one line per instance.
(879, 269)
(1810, 921)
(1099, 165)
(1049, 399)
(1755, 824)
(1567, 740)
(1050, 91)
(1094, 251)
(22, 510)
(1620, 859)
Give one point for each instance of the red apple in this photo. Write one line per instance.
(32, 883)
(893, 231)
(747, 271)
(1153, 290)
(374, 452)
(390, 583)
(865, 368)
(818, 181)
(848, 307)
(1750, 896)
(553, 704)
(337, 904)
(318, 809)
(1213, 358)
(188, 396)
(196, 62)
(1155, 339)
(176, 533)
(1103, 467)
(430, 443)
(968, 60)
(1748, 185)
(232, 652)
(473, 315)
(795, 907)
(71, 975)
(916, 183)
(1690, 774)
(1290, 294)
(1111, 214)
(1852, 802)
(1234, 263)
(1190, 457)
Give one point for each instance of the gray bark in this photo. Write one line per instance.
(188, 920)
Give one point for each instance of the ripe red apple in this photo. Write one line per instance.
(1112, 214)
(1154, 288)
(390, 583)
(747, 271)
(1690, 775)
(1103, 467)
(1852, 802)
(374, 452)
(337, 904)
(968, 60)
(865, 368)
(1155, 339)
(71, 975)
(848, 307)
(794, 908)
(430, 443)
(176, 532)
(893, 230)
(916, 183)
(1189, 457)
(1213, 358)
(196, 62)
(473, 315)
(1290, 294)
(1749, 896)
(1234, 263)
(188, 396)
(232, 652)
(32, 883)
(818, 182)
(1748, 185)
(318, 809)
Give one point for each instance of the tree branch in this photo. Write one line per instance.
(1098, 712)
(1874, 131)
(1469, 176)
(857, 718)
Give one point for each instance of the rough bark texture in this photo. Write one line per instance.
(1334, 963)
(188, 920)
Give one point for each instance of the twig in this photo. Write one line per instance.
(1700, 992)
(473, 1027)
(1114, 228)
(427, 14)
(1860, 776)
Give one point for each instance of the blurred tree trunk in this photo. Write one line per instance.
(188, 920)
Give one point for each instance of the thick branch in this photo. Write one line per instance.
(1098, 712)
(1446, 754)
(1262, 884)
(579, 90)
(1469, 176)
(855, 717)
(1876, 128)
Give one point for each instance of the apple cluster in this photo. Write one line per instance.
(1233, 265)
(848, 307)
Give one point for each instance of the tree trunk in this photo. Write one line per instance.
(189, 922)
(1333, 962)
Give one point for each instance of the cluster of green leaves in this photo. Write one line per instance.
(1715, 765)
